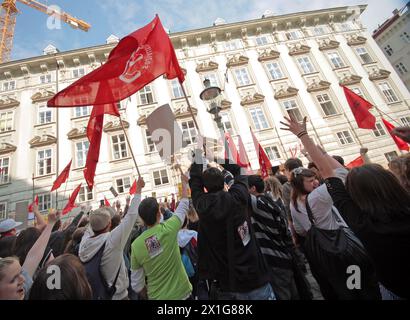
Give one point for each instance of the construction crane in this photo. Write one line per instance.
(8, 17)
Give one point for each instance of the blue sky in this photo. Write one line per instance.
(121, 17)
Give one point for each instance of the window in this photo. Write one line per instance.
(335, 59)
(123, 184)
(176, 89)
(292, 35)
(119, 147)
(160, 177)
(150, 144)
(9, 85)
(306, 65)
(272, 152)
(326, 104)
(6, 121)
(44, 202)
(45, 78)
(388, 92)
(359, 92)
(405, 121)
(345, 137)
(274, 70)
(405, 37)
(213, 79)
(44, 161)
(318, 31)
(391, 155)
(81, 111)
(146, 95)
(81, 149)
(388, 50)
(85, 194)
(258, 118)
(364, 55)
(401, 68)
(3, 210)
(226, 122)
(232, 45)
(345, 27)
(77, 73)
(379, 131)
(260, 41)
(292, 109)
(242, 76)
(44, 115)
(4, 170)
(188, 131)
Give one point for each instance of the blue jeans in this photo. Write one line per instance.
(262, 293)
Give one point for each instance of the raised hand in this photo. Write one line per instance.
(53, 216)
(292, 125)
(140, 184)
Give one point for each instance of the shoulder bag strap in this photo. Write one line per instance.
(309, 211)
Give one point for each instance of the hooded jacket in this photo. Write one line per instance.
(113, 257)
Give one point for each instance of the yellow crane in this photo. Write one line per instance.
(8, 17)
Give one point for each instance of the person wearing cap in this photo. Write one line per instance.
(8, 228)
(98, 234)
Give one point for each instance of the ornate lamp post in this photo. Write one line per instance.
(212, 97)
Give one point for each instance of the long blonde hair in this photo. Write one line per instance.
(273, 185)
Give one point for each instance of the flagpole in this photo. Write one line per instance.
(33, 185)
(381, 112)
(129, 145)
(190, 109)
(65, 189)
(354, 132)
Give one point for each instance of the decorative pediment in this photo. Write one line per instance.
(42, 96)
(142, 120)
(286, 93)
(350, 79)
(7, 148)
(183, 112)
(226, 104)
(252, 99)
(379, 74)
(328, 44)
(115, 125)
(77, 133)
(44, 140)
(268, 54)
(318, 86)
(206, 66)
(237, 60)
(7, 102)
(355, 40)
(298, 48)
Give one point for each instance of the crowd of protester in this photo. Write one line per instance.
(238, 237)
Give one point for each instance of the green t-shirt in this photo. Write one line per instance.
(156, 250)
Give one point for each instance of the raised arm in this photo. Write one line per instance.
(41, 223)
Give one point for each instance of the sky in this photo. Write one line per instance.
(121, 17)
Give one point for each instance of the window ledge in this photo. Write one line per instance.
(151, 103)
(180, 98)
(262, 130)
(275, 80)
(367, 63)
(44, 176)
(245, 85)
(8, 131)
(81, 117)
(119, 160)
(311, 73)
(394, 103)
(79, 168)
(44, 124)
(333, 116)
(341, 68)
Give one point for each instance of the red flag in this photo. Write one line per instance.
(94, 134)
(71, 201)
(402, 145)
(62, 177)
(106, 202)
(230, 145)
(30, 207)
(137, 60)
(360, 108)
(133, 189)
(173, 204)
(243, 160)
(358, 162)
(264, 162)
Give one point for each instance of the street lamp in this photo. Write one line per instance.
(212, 96)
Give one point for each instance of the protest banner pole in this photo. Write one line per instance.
(190, 109)
(129, 145)
(354, 132)
(65, 190)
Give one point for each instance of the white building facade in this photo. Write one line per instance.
(266, 68)
(393, 37)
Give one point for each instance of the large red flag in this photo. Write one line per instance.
(106, 202)
(358, 162)
(360, 108)
(230, 145)
(264, 162)
(402, 145)
(133, 189)
(71, 201)
(30, 207)
(62, 177)
(138, 59)
(243, 160)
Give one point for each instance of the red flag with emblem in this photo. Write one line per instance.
(401, 144)
(71, 201)
(264, 162)
(243, 157)
(62, 177)
(358, 162)
(30, 207)
(360, 109)
(137, 60)
(133, 189)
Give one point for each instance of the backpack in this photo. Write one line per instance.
(189, 257)
(99, 286)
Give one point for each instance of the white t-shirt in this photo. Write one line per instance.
(321, 204)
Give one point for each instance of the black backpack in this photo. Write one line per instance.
(99, 286)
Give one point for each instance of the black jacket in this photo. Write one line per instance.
(250, 269)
